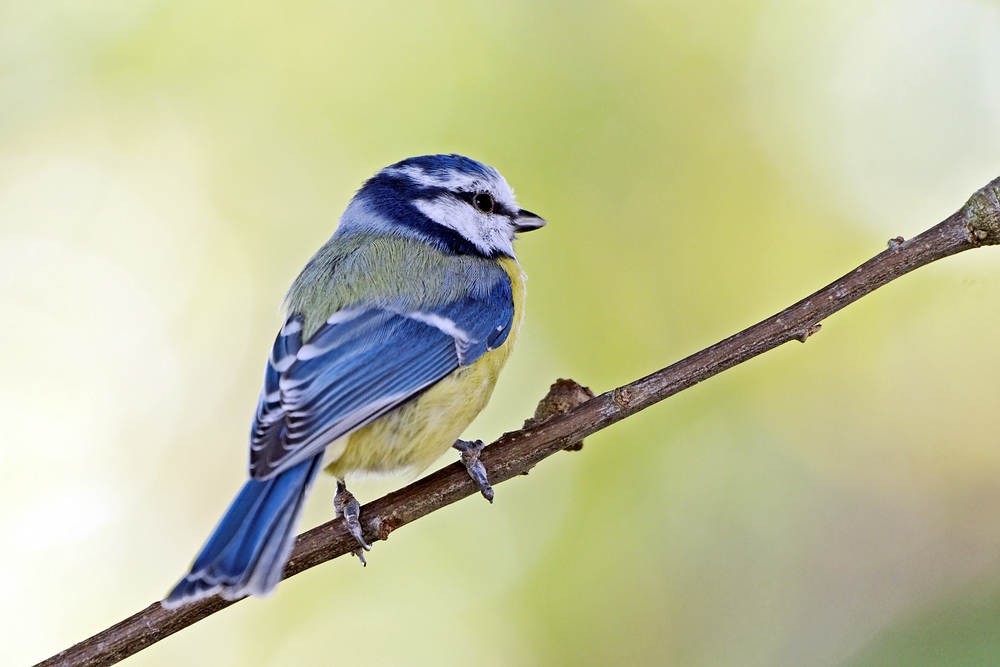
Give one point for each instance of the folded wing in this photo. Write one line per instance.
(360, 364)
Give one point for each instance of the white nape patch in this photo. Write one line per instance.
(489, 232)
(440, 323)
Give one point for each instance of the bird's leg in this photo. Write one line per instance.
(347, 506)
(470, 457)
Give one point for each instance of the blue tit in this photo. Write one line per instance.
(395, 334)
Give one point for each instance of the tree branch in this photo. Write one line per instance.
(975, 224)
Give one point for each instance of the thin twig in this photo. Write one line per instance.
(976, 224)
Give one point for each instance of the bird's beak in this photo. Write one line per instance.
(525, 221)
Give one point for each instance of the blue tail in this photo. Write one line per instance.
(247, 552)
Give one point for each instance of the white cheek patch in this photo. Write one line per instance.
(489, 233)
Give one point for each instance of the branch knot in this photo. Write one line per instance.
(982, 214)
(563, 396)
(623, 397)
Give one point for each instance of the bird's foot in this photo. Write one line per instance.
(470, 458)
(347, 506)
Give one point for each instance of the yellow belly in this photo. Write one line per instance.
(417, 433)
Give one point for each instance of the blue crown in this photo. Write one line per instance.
(442, 165)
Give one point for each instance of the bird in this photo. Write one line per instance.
(394, 335)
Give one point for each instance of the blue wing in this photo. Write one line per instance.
(362, 363)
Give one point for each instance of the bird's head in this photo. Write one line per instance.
(455, 202)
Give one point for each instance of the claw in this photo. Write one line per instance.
(470, 458)
(347, 506)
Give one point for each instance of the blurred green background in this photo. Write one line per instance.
(166, 168)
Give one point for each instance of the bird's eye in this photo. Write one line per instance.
(484, 202)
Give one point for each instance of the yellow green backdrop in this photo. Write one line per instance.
(166, 168)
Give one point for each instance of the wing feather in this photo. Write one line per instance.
(363, 362)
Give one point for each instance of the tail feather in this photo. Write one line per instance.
(247, 551)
